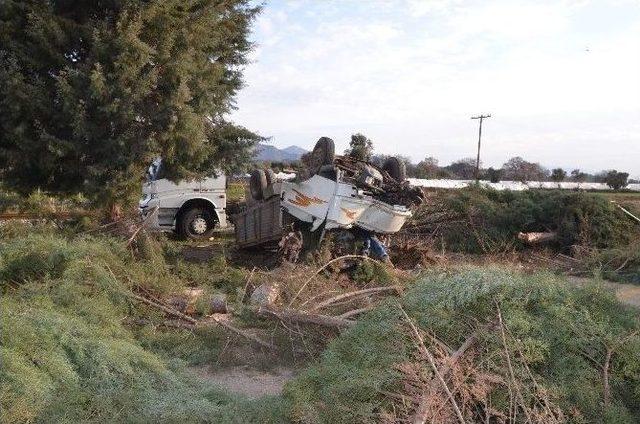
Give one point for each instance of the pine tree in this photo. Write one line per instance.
(91, 92)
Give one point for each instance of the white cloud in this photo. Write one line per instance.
(411, 77)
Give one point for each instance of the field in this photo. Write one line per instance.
(153, 329)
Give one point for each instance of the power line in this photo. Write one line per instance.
(481, 118)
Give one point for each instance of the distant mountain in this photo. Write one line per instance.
(267, 153)
(295, 151)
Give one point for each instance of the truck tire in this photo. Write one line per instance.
(323, 153)
(395, 168)
(258, 184)
(271, 176)
(196, 223)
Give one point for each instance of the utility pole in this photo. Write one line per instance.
(481, 118)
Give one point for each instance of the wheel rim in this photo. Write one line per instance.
(199, 225)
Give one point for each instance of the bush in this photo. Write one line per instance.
(554, 330)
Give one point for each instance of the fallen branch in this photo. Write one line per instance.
(141, 226)
(163, 308)
(352, 294)
(420, 416)
(220, 321)
(293, 315)
(512, 378)
(449, 364)
(167, 323)
(325, 266)
(246, 286)
(626, 211)
(197, 323)
(355, 312)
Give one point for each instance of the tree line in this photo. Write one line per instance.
(514, 169)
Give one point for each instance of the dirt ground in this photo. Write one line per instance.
(626, 293)
(246, 381)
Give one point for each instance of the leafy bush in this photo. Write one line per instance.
(560, 334)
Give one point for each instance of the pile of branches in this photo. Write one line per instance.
(480, 346)
(441, 385)
(299, 307)
(333, 307)
(616, 264)
(479, 220)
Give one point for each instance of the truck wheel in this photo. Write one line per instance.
(323, 153)
(395, 168)
(196, 223)
(258, 184)
(271, 176)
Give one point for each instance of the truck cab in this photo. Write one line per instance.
(193, 209)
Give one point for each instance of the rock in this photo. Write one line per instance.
(218, 304)
(265, 294)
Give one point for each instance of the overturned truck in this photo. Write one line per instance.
(333, 193)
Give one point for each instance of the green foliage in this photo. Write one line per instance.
(212, 274)
(42, 204)
(518, 169)
(616, 180)
(463, 169)
(360, 147)
(367, 271)
(578, 176)
(617, 264)
(66, 355)
(484, 220)
(493, 175)
(558, 174)
(91, 92)
(555, 327)
(236, 192)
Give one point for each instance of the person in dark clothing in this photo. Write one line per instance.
(371, 245)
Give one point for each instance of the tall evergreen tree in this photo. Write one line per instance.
(91, 91)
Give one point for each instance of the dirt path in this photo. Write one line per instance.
(245, 381)
(626, 293)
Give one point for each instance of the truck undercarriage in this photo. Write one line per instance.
(332, 195)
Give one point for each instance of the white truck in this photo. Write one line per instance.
(193, 209)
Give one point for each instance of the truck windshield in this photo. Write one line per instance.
(154, 170)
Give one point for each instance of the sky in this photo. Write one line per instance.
(561, 79)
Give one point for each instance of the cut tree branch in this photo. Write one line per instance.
(293, 315)
(324, 267)
(196, 323)
(343, 296)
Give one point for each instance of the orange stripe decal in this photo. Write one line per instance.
(350, 214)
(304, 200)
